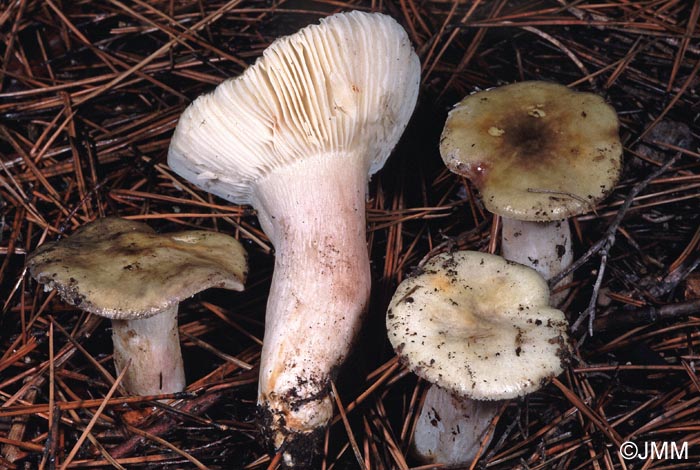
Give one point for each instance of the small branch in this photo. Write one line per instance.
(198, 405)
(647, 315)
(605, 243)
(675, 276)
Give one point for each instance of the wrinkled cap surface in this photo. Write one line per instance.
(345, 87)
(537, 151)
(121, 269)
(478, 326)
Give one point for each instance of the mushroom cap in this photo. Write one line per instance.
(478, 326)
(537, 151)
(345, 87)
(123, 270)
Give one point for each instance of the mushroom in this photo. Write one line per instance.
(539, 153)
(122, 270)
(479, 328)
(297, 136)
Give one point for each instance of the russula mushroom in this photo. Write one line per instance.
(297, 136)
(122, 270)
(479, 328)
(538, 153)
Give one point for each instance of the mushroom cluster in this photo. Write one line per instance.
(297, 136)
(539, 153)
(479, 328)
(122, 270)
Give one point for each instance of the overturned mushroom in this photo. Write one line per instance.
(297, 136)
(124, 271)
(479, 327)
(539, 153)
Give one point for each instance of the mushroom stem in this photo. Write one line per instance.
(313, 211)
(153, 346)
(450, 429)
(543, 246)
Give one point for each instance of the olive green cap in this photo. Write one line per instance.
(536, 151)
(122, 269)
